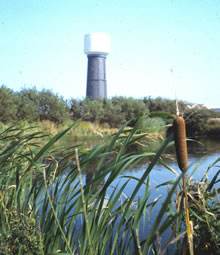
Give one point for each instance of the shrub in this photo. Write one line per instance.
(197, 121)
(8, 106)
(23, 237)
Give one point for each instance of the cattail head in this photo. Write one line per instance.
(179, 129)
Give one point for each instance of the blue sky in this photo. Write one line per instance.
(167, 48)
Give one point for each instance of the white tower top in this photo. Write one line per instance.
(97, 44)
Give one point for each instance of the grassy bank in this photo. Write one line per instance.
(88, 134)
(46, 208)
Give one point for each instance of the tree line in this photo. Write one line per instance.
(32, 105)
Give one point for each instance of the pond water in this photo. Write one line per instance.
(201, 155)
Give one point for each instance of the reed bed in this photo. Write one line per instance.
(47, 207)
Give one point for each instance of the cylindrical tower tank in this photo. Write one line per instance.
(96, 47)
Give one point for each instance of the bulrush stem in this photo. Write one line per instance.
(182, 159)
(188, 224)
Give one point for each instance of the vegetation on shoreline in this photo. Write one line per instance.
(52, 210)
(33, 106)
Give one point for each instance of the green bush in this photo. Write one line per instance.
(205, 215)
(52, 107)
(32, 105)
(28, 105)
(8, 105)
(213, 128)
(22, 237)
(197, 121)
(163, 105)
(131, 108)
(112, 114)
(115, 111)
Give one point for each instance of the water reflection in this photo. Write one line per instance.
(95, 186)
(202, 152)
(201, 155)
(204, 146)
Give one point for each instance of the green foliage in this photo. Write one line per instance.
(23, 238)
(197, 121)
(19, 233)
(76, 109)
(131, 108)
(115, 112)
(155, 124)
(8, 105)
(42, 192)
(52, 107)
(205, 214)
(93, 110)
(213, 127)
(165, 105)
(32, 105)
(28, 104)
(50, 190)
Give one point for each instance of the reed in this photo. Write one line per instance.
(43, 186)
(41, 183)
(182, 159)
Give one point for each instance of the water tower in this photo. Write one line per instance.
(96, 47)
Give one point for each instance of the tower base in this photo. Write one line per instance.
(96, 77)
